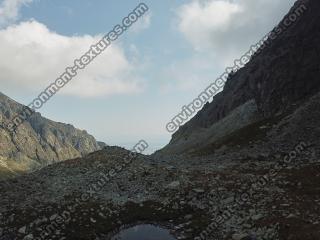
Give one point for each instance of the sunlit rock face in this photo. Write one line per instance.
(38, 141)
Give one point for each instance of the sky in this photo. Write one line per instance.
(133, 89)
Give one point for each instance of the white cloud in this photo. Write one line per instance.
(34, 56)
(198, 19)
(142, 24)
(227, 28)
(9, 10)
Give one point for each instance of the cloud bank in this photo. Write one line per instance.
(34, 56)
(227, 28)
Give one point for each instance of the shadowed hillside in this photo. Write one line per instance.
(276, 80)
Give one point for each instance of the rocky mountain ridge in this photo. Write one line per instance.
(253, 171)
(274, 81)
(38, 141)
(186, 192)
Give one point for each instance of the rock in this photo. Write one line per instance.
(44, 141)
(53, 217)
(174, 185)
(228, 200)
(256, 217)
(240, 236)
(171, 168)
(262, 82)
(291, 216)
(198, 190)
(28, 237)
(22, 230)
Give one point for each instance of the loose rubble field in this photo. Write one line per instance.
(264, 187)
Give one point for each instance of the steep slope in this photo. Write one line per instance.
(274, 81)
(261, 183)
(103, 191)
(39, 141)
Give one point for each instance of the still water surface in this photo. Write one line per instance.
(144, 232)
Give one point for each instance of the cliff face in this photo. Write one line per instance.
(275, 80)
(38, 141)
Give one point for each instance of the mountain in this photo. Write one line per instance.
(273, 83)
(245, 167)
(38, 141)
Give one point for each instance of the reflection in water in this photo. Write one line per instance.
(144, 232)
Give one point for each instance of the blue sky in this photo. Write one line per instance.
(160, 64)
